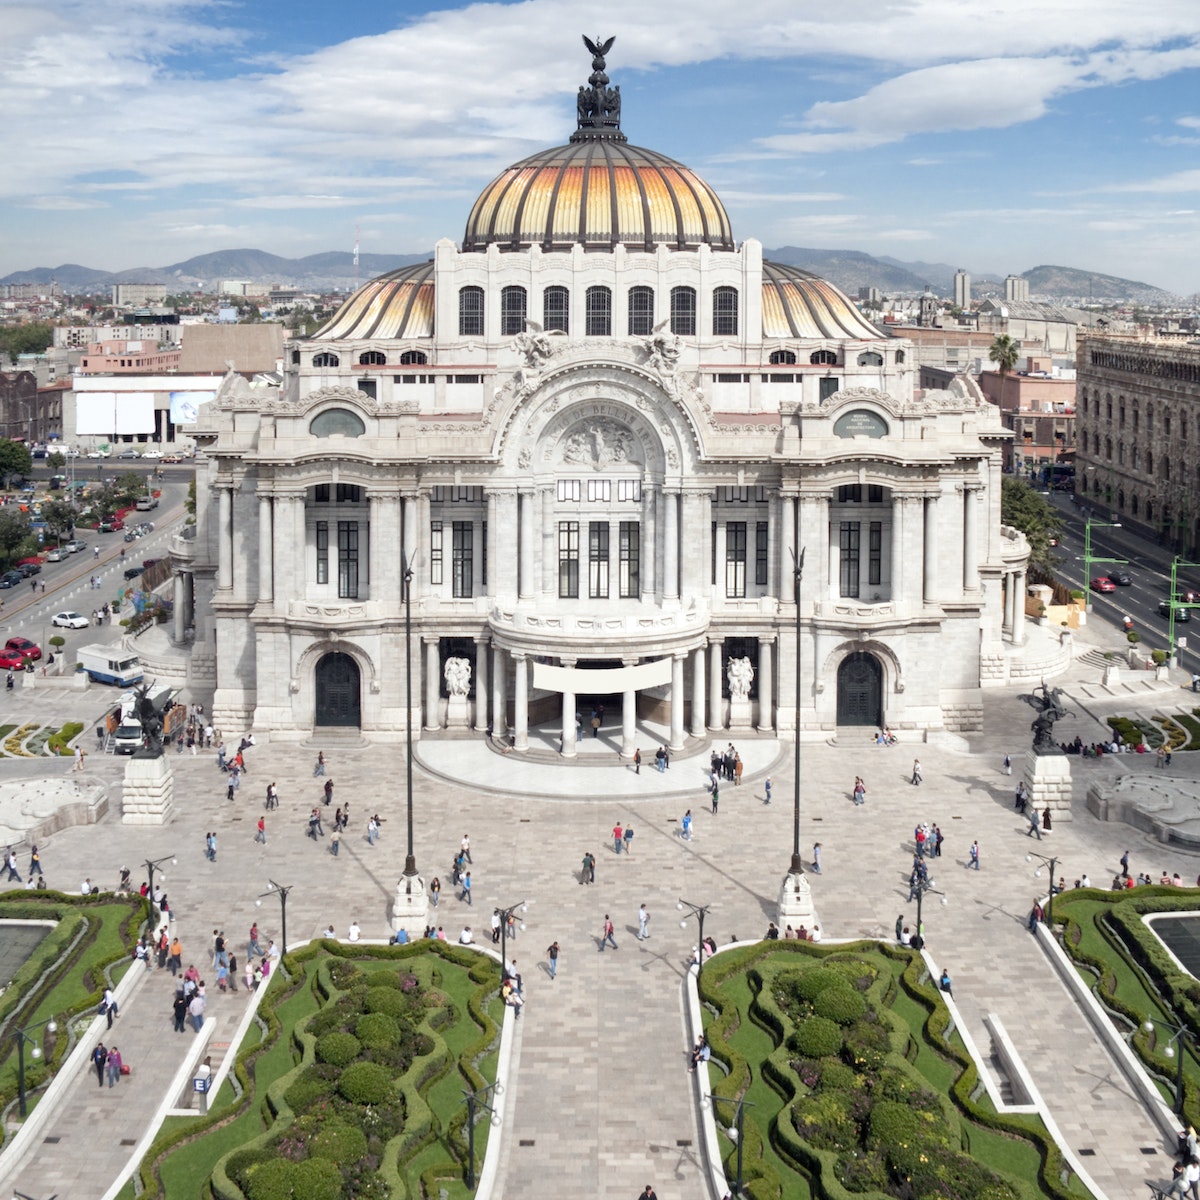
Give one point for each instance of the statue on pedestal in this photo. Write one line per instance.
(1048, 702)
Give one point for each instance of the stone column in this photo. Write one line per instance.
(568, 715)
(677, 702)
(774, 507)
(549, 540)
(189, 596)
(699, 728)
(384, 544)
(493, 545)
(1018, 625)
(225, 537)
(649, 555)
(179, 612)
(520, 702)
(787, 549)
(266, 542)
(1006, 623)
(929, 588)
(766, 685)
(411, 539)
(816, 538)
(897, 548)
(629, 716)
(298, 551)
(670, 545)
(432, 684)
(716, 714)
(499, 693)
(504, 583)
(970, 540)
(525, 545)
(481, 684)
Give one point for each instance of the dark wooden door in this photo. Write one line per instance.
(339, 691)
(860, 691)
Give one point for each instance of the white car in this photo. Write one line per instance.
(58, 554)
(98, 454)
(152, 453)
(70, 620)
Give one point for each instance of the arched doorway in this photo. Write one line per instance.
(339, 691)
(860, 691)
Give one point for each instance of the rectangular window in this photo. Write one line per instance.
(347, 560)
(875, 552)
(599, 312)
(321, 493)
(598, 560)
(631, 560)
(848, 544)
(760, 554)
(599, 491)
(735, 559)
(829, 385)
(349, 493)
(322, 551)
(641, 311)
(874, 493)
(850, 493)
(435, 552)
(570, 489)
(629, 490)
(462, 550)
(568, 560)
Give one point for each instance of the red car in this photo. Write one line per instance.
(23, 648)
(1103, 584)
(11, 662)
(112, 525)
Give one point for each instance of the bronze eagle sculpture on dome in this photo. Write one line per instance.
(598, 49)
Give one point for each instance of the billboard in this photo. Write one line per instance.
(185, 406)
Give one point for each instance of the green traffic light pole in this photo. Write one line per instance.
(1089, 558)
(1174, 600)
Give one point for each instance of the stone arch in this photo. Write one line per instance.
(304, 684)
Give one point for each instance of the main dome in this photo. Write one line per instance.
(598, 191)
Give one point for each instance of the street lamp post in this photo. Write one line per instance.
(1052, 863)
(152, 865)
(22, 1037)
(1174, 1049)
(699, 911)
(1089, 558)
(474, 1101)
(923, 886)
(737, 1131)
(1174, 601)
(505, 913)
(410, 859)
(797, 867)
(276, 889)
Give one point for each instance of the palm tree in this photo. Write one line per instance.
(1004, 352)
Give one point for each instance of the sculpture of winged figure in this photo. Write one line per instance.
(598, 50)
(1050, 709)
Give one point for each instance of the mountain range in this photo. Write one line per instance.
(849, 269)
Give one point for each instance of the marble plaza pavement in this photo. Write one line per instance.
(602, 1096)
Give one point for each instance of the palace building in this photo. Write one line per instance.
(600, 433)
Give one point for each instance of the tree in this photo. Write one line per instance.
(59, 517)
(14, 529)
(15, 460)
(131, 484)
(1030, 512)
(56, 460)
(31, 338)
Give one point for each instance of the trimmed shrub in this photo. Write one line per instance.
(377, 1031)
(811, 984)
(841, 1004)
(836, 1076)
(825, 1120)
(338, 1049)
(306, 1091)
(340, 1143)
(892, 1124)
(365, 1083)
(383, 979)
(817, 1037)
(315, 1179)
(386, 1000)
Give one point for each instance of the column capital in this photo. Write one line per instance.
(482, 639)
(518, 655)
(768, 639)
(716, 639)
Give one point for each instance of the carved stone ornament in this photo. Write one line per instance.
(525, 458)
(457, 673)
(740, 673)
(602, 443)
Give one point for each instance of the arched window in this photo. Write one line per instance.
(339, 422)
(325, 359)
(641, 311)
(1137, 454)
(512, 310)
(1149, 418)
(1149, 462)
(414, 358)
(1166, 468)
(1121, 453)
(1083, 399)
(1121, 499)
(1149, 510)
(1108, 447)
(1121, 414)
(295, 358)
(823, 358)
(470, 312)
(599, 312)
(683, 311)
(1083, 441)
(781, 358)
(725, 312)
(868, 358)
(1167, 423)
(1107, 406)
(556, 309)
(372, 358)
(1133, 506)
(900, 358)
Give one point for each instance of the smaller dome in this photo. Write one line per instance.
(396, 305)
(799, 304)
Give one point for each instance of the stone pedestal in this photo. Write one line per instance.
(741, 714)
(148, 796)
(1048, 777)
(410, 907)
(458, 715)
(796, 906)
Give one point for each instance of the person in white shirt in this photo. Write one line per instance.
(465, 938)
(355, 932)
(329, 933)
(273, 953)
(85, 888)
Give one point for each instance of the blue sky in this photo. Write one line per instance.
(992, 137)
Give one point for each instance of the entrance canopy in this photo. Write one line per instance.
(592, 681)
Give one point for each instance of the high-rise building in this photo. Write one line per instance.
(1016, 288)
(962, 289)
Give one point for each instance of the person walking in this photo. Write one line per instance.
(817, 858)
(78, 764)
(109, 1006)
(552, 954)
(495, 927)
(466, 889)
(643, 922)
(608, 938)
(196, 1009)
(465, 849)
(716, 795)
(860, 790)
(272, 796)
(114, 1066)
(618, 835)
(10, 861)
(335, 841)
(588, 874)
(1007, 765)
(974, 859)
(1046, 818)
(686, 826)
(1125, 865)
(261, 835)
(179, 1009)
(916, 772)
(1035, 824)
(637, 761)
(767, 790)
(628, 838)
(328, 792)
(100, 1061)
(319, 769)
(435, 891)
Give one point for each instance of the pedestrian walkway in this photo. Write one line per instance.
(602, 1092)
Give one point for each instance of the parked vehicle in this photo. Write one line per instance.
(146, 503)
(10, 579)
(112, 525)
(58, 554)
(29, 567)
(133, 572)
(11, 662)
(75, 545)
(110, 664)
(70, 620)
(130, 452)
(23, 646)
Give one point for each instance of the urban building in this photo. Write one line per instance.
(120, 357)
(597, 438)
(962, 289)
(1037, 403)
(1015, 288)
(138, 295)
(1138, 453)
